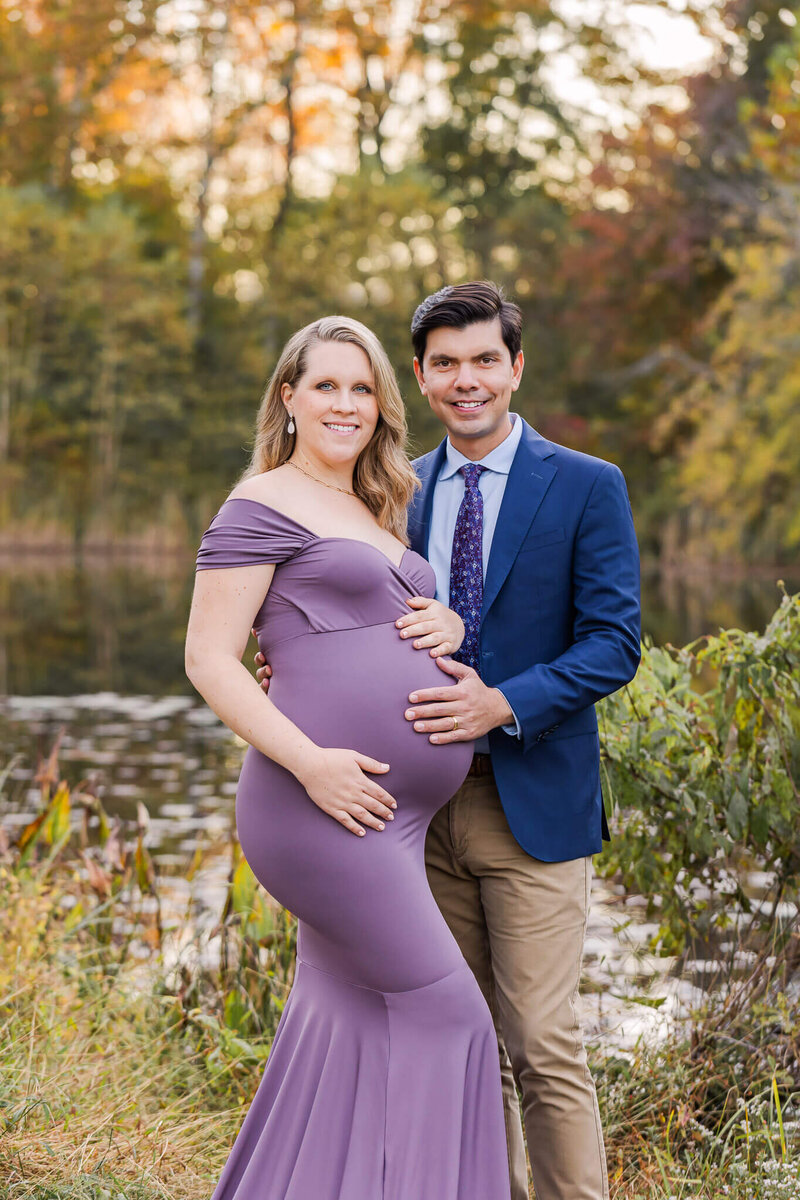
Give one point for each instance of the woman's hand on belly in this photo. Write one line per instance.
(433, 625)
(336, 782)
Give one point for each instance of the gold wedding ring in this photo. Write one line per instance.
(455, 724)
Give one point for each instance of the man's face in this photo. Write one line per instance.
(468, 378)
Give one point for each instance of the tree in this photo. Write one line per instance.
(67, 74)
(93, 352)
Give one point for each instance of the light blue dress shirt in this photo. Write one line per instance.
(447, 496)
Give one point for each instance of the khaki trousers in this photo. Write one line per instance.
(520, 924)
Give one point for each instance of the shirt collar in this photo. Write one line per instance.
(499, 459)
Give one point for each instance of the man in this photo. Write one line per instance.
(533, 544)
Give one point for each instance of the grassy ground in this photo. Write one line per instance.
(121, 1079)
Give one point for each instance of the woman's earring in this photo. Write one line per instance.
(290, 426)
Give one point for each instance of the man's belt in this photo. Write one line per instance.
(481, 765)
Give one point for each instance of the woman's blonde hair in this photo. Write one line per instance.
(383, 477)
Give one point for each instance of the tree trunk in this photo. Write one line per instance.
(288, 81)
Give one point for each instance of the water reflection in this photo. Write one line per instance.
(98, 626)
(170, 753)
(118, 626)
(678, 608)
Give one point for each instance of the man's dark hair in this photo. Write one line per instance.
(463, 304)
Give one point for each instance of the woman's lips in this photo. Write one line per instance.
(343, 429)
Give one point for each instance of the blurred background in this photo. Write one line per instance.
(184, 183)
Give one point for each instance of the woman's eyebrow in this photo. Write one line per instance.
(332, 378)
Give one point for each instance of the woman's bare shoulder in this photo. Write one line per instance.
(266, 487)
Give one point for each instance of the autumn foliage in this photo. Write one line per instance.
(182, 186)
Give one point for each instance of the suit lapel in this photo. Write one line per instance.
(530, 476)
(423, 507)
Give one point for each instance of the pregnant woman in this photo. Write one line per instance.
(383, 1081)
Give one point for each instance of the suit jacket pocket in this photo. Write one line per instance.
(547, 537)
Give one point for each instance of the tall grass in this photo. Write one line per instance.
(712, 1110)
(103, 1087)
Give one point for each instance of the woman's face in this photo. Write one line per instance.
(334, 404)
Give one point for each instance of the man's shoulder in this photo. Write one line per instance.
(575, 463)
(578, 464)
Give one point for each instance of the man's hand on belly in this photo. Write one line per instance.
(476, 707)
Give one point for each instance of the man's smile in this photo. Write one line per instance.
(469, 405)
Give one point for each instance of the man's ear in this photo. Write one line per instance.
(419, 375)
(516, 371)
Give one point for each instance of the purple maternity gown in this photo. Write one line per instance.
(383, 1081)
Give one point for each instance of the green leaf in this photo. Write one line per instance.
(243, 888)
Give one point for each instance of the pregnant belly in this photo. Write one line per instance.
(350, 688)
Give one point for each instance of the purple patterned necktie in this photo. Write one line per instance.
(466, 565)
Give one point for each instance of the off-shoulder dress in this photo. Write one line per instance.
(383, 1081)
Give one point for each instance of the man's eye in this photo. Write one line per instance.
(488, 358)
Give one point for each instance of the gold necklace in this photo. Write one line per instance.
(289, 463)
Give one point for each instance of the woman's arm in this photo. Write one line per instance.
(224, 606)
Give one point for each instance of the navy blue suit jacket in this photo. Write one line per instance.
(559, 630)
